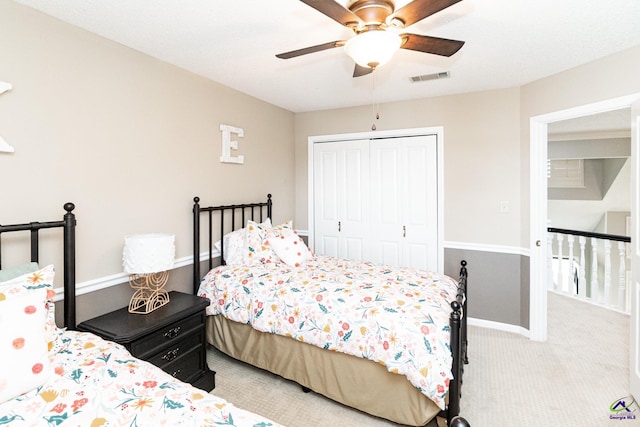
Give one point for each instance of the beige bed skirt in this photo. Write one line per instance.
(355, 382)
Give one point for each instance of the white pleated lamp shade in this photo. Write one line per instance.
(148, 253)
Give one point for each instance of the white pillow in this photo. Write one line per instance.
(24, 358)
(290, 248)
(234, 245)
(32, 282)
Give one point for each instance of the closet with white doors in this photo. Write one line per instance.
(377, 199)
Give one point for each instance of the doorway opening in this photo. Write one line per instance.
(538, 203)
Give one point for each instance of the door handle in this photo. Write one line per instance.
(404, 231)
(339, 226)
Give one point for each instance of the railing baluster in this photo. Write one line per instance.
(622, 275)
(627, 308)
(570, 274)
(582, 278)
(560, 275)
(550, 260)
(594, 271)
(607, 272)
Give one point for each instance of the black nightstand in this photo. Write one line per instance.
(171, 337)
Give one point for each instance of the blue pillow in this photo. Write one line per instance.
(13, 272)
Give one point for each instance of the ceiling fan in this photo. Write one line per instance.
(378, 25)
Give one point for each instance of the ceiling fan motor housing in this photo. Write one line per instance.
(372, 12)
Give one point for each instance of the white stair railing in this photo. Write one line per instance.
(601, 278)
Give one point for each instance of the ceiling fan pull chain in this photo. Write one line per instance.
(374, 105)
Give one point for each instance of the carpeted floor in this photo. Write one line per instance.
(570, 380)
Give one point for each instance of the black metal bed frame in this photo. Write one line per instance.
(457, 320)
(68, 224)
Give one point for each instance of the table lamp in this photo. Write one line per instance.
(147, 259)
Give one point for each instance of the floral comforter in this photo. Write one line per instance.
(397, 317)
(98, 383)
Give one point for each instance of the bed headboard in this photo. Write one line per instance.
(229, 216)
(68, 224)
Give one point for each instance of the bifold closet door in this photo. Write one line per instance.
(341, 198)
(404, 201)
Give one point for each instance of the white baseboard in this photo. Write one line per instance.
(120, 278)
(498, 326)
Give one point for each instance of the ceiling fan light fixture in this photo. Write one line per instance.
(373, 48)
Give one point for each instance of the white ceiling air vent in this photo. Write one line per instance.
(426, 77)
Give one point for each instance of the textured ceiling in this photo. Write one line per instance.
(508, 43)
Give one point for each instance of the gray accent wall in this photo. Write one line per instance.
(497, 287)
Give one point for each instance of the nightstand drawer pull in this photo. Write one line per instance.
(173, 332)
(172, 354)
(176, 373)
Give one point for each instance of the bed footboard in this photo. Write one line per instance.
(458, 323)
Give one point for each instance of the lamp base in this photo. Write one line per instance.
(149, 294)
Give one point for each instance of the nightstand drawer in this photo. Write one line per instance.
(177, 349)
(184, 368)
(166, 336)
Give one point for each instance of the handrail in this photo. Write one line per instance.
(591, 234)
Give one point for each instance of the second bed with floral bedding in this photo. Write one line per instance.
(373, 337)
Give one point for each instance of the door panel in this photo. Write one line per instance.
(390, 252)
(354, 248)
(327, 202)
(353, 177)
(421, 203)
(404, 201)
(386, 217)
(341, 207)
(329, 245)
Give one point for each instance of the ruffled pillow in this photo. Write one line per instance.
(290, 248)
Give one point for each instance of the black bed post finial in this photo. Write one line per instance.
(463, 268)
(69, 266)
(269, 207)
(459, 422)
(196, 244)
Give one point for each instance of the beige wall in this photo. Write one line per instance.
(127, 138)
(607, 78)
(481, 139)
